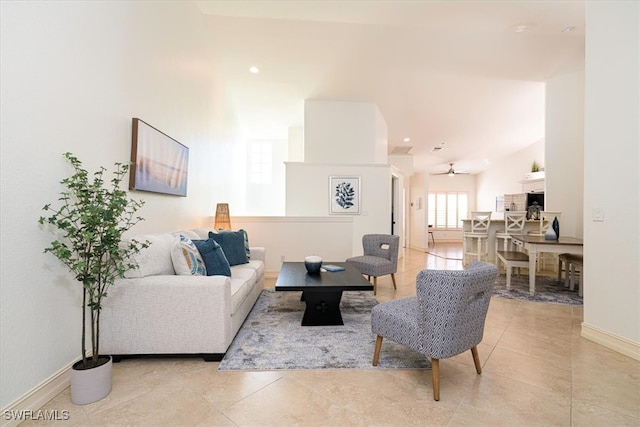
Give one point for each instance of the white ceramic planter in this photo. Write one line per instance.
(91, 385)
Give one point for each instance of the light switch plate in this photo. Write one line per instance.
(598, 214)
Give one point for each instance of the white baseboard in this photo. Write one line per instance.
(36, 398)
(609, 340)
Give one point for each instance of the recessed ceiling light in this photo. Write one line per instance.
(519, 28)
(407, 139)
(254, 70)
(568, 29)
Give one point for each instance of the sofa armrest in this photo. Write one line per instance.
(257, 253)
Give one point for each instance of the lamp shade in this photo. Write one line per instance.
(223, 221)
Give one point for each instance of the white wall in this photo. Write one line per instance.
(418, 211)
(296, 144)
(612, 175)
(504, 175)
(344, 132)
(266, 198)
(307, 192)
(293, 238)
(73, 76)
(564, 152)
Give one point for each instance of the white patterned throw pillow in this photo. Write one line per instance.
(186, 258)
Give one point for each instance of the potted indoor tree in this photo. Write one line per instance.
(89, 224)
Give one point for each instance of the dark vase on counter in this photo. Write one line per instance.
(556, 227)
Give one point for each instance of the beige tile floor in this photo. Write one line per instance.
(537, 370)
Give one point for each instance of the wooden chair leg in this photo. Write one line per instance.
(559, 268)
(375, 285)
(476, 359)
(393, 278)
(376, 351)
(435, 378)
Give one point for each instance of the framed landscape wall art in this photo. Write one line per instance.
(159, 163)
(344, 195)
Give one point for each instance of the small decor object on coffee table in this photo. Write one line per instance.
(313, 264)
(332, 268)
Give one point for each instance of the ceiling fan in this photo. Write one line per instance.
(451, 171)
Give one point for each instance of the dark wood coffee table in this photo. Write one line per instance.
(321, 292)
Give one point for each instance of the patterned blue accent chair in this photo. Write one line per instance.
(446, 317)
(380, 257)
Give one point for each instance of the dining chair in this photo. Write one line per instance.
(430, 234)
(475, 242)
(545, 222)
(513, 224)
(444, 319)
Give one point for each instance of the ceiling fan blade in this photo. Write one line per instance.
(451, 172)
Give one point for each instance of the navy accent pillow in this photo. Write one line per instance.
(246, 240)
(214, 257)
(232, 243)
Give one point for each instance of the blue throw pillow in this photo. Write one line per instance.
(232, 243)
(214, 257)
(246, 240)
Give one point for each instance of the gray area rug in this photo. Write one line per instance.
(272, 338)
(548, 289)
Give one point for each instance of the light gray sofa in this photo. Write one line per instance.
(154, 311)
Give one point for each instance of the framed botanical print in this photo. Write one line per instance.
(344, 195)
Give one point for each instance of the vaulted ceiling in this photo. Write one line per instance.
(465, 76)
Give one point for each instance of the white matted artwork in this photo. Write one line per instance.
(344, 195)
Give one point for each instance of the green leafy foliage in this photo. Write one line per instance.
(344, 195)
(89, 224)
(535, 167)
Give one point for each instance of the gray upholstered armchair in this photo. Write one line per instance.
(446, 317)
(380, 257)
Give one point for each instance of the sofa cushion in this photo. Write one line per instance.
(154, 260)
(255, 265)
(214, 257)
(242, 282)
(232, 243)
(186, 258)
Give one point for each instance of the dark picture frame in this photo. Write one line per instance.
(160, 164)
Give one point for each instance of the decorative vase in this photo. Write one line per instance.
(91, 385)
(556, 227)
(313, 264)
(550, 234)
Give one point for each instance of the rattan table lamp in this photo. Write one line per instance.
(223, 221)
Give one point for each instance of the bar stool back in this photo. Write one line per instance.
(472, 241)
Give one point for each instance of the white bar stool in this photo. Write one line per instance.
(479, 233)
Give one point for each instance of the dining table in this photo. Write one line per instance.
(533, 244)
